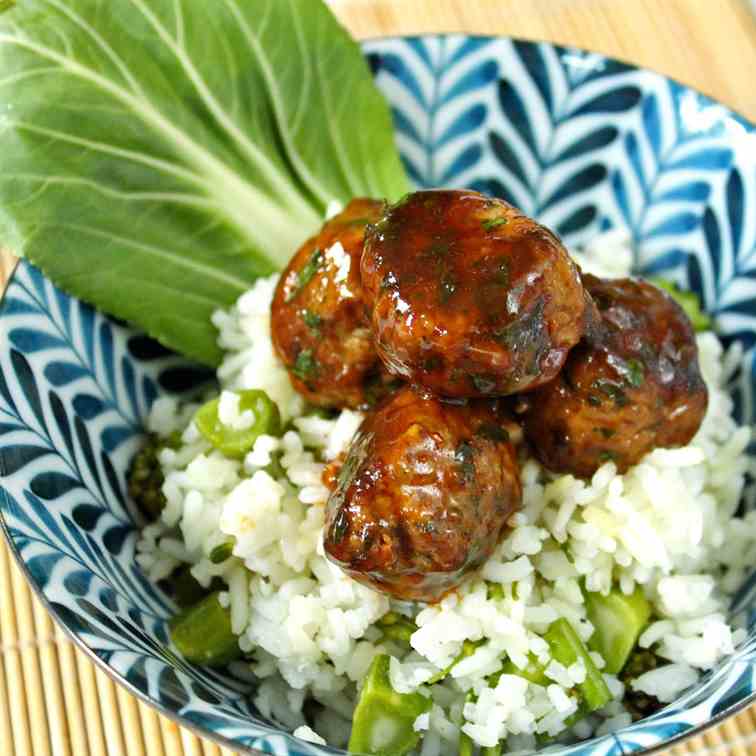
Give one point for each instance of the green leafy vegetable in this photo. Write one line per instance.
(159, 155)
(688, 301)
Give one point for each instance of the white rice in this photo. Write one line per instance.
(309, 629)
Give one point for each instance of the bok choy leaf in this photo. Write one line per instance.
(159, 155)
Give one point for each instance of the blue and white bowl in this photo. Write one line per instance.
(580, 141)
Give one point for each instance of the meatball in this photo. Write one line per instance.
(470, 298)
(633, 385)
(424, 494)
(319, 324)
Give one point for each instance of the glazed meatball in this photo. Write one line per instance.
(319, 324)
(424, 494)
(470, 297)
(632, 386)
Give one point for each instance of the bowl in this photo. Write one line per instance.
(580, 141)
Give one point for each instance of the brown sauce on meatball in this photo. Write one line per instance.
(469, 297)
(632, 386)
(319, 324)
(424, 494)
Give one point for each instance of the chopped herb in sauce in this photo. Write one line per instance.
(482, 383)
(607, 456)
(312, 320)
(464, 455)
(448, 287)
(305, 366)
(612, 390)
(502, 274)
(635, 373)
(388, 281)
(432, 363)
(340, 526)
(492, 432)
(491, 223)
(605, 432)
(307, 273)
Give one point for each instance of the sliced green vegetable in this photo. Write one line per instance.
(203, 635)
(198, 145)
(185, 588)
(383, 720)
(468, 649)
(533, 671)
(222, 552)
(566, 648)
(689, 302)
(491, 750)
(466, 747)
(236, 443)
(275, 468)
(618, 620)
(397, 628)
(495, 591)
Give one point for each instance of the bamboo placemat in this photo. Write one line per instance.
(53, 700)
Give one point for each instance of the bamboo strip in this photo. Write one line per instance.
(150, 721)
(12, 661)
(190, 743)
(210, 749)
(91, 705)
(54, 704)
(109, 713)
(6, 732)
(129, 715)
(30, 661)
(713, 738)
(730, 730)
(77, 730)
(171, 737)
(747, 720)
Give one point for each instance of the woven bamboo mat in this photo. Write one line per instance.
(53, 700)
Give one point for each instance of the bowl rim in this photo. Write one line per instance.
(247, 750)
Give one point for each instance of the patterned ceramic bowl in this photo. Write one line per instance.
(582, 142)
